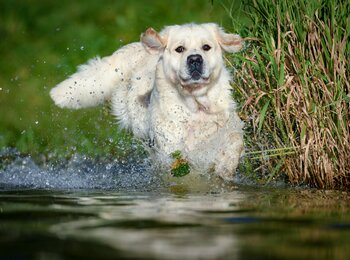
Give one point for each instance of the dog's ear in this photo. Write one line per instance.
(229, 42)
(152, 41)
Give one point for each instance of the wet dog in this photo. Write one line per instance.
(171, 89)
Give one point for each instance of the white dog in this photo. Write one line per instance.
(172, 89)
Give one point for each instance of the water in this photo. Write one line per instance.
(88, 209)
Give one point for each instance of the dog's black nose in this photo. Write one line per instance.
(195, 60)
(195, 66)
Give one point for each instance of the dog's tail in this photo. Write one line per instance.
(95, 81)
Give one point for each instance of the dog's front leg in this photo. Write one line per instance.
(228, 155)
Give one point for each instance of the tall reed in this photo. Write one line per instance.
(293, 86)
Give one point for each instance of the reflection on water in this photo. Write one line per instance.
(244, 223)
(128, 213)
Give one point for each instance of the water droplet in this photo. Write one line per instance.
(36, 122)
(82, 48)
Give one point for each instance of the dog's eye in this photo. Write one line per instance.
(206, 47)
(180, 49)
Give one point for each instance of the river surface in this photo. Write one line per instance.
(82, 209)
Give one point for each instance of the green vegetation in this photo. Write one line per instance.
(180, 166)
(291, 81)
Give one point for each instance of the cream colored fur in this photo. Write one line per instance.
(158, 97)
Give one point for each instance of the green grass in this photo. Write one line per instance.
(293, 84)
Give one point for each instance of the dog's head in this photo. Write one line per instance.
(191, 54)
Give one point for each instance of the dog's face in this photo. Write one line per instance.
(191, 54)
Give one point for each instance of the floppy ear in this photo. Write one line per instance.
(230, 42)
(152, 41)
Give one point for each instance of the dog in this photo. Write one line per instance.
(172, 90)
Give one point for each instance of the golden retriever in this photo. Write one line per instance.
(171, 89)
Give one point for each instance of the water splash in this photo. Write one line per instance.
(79, 172)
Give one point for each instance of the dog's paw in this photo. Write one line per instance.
(63, 97)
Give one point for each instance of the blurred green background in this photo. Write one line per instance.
(42, 42)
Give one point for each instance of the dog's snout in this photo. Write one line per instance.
(195, 66)
(195, 60)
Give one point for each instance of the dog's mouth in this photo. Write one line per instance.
(195, 78)
(194, 82)
(196, 75)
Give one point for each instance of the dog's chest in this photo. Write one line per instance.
(201, 126)
(187, 128)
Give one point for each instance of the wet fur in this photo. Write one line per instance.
(154, 96)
